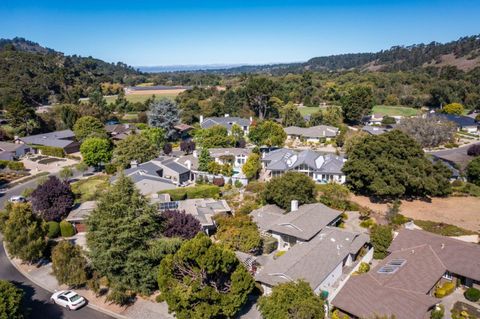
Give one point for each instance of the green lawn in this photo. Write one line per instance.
(140, 97)
(308, 110)
(395, 110)
(90, 188)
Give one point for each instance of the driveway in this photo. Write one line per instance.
(37, 299)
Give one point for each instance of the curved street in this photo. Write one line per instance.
(36, 298)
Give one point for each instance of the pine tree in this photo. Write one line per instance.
(203, 160)
(121, 231)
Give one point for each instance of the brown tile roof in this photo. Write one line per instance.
(403, 293)
(458, 257)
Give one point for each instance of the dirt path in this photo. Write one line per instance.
(460, 211)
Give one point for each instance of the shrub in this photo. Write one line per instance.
(474, 150)
(472, 294)
(380, 237)
(53, 199)
(11, 301)
(50, 150)
(457, 183)
(218, 181)
(179, 224)
(438, 312)
(68, 264)
(66, 229)
(110, 169)
(270, 244)
(53, 229)
(367, 223)
(279, 254)
(16, 166)
(238, 184)
(444, 290)
(120, 297)
(363, 268)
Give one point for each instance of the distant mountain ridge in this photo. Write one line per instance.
(463, 53)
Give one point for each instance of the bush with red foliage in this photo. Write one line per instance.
(474, 150)
(187, 146)
(53, 199)
(218, 181)
(180, 224)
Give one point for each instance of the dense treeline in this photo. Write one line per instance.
(37, 76)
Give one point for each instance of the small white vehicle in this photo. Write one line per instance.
(17, 199)
(68, 299)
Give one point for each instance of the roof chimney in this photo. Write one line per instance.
(251, 119)
(133, 164)
(294, 205)
(443, 245)
(227, 115)
(201, 119)
(188, 163)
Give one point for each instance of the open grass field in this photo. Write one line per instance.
(395, 110)
(308, 110)
(90, 188)
(144, 96)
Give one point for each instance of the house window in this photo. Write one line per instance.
(447, 275)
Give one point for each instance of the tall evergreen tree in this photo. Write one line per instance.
(121, 231)
(164, 114)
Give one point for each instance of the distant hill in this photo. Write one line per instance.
(39, 75)
(186, 67)
(463, 53)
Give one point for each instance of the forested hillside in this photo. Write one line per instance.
(37, 75)
(463, 53)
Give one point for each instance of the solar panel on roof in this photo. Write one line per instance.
(168, 205)
(397, 262)
(392, 266)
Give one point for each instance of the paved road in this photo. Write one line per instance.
(37, 299)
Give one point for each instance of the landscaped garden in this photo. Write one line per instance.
(88, 189)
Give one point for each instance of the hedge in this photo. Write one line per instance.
(66, 229)
(472, 294)
(13, 165)
(269, 244)
(200, 191)
(53, 229)
(50, 150)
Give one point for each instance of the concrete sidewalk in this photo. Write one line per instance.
(142, 308)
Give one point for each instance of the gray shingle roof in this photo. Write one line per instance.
(459, 257)
(285, 159)
(312, 261)
(226, 121)
(266, 216)
(403, 293)
(55, 139)
(306, 222)
(10, 147)
(312, 132)
(203, 209)
(374, 130)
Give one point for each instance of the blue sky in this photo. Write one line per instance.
(149, 33)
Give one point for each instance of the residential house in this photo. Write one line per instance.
(183, 131)
(78, 216)
(314, 134)
(120, 131)
(322, 168)
(463, 123)
(61, 139)
(301, 224)
(203, 209)
(374, 130)
(158, 174)
(324, 262)
(402, 285)
(374, 119)
(227, 122)
(13, 151)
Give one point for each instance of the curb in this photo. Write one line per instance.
(89, 305)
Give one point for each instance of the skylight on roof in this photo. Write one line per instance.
(392, 266)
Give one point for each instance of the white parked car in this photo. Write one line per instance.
(17, 199)
(68, 299)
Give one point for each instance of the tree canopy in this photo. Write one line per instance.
(381, 237)
(357, 103)
(96, 150)
(473, 171)
(53, 199)
(394, 165)
(164, 114)
(179, 224)
(430, 131)
(122, 232)
(238, 232)
(89, 126)
(252, 166)
(11, 301)
(215, 136)
(68, 264)
(267, 133)
(204, 280)
(135, 147)
(291, 300)
(290, 186)
(24, 233)
(453, 108)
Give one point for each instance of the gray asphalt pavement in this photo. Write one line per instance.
(36, 298)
